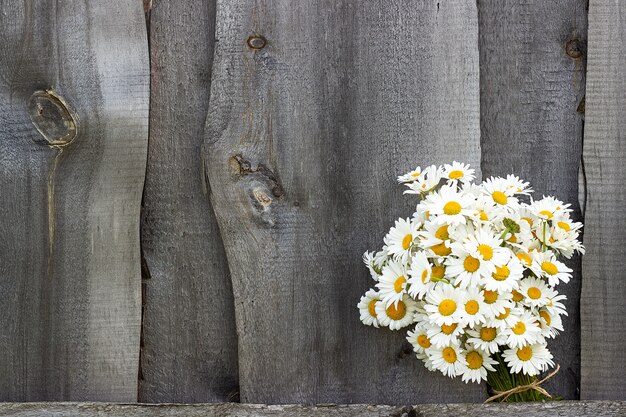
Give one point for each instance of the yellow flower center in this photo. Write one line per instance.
(371, 307)
(452, 208)
(519, 328)
(397, 313)
(398, 285)
(423, 341)
(415, 174)
(525, 258)
(471, 264)
(438, 271)
(486, 251)
(490, 296)
(406, 242)
(449, 355)
(471, 307)
(441, 250)
(529, 221)
(549, 268)
(455, 175)
(442, 233)
(534, 293)
(424, 276)
(546, 213)
(474, 360)
(487, 334)
(504, 315)
(544, 315)
(517, 296)
(447, 307)
(564, 226)
(448, 329)
(483, 216)
(499, 197)
(502, 273)
(525, 353)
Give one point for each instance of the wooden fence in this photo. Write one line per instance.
(273, 133)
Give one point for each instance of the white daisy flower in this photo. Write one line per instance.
(506, 319)
(517, 185)
(449, 206)
(530, 359)
(488, 339)
(499, 191)
(444, 305)
(458, 172)
(506, 276)
(444, 335)
(486, 247)
(410, 176)
(551, 324)
(419, 276)
(496, 303)
(448, 359)
(477, 363)
(372, 267)
(418, 339)
(466, 269)
(392, 283)
(473, 307)
(523, 332)
(549, 208)
(545, 265)
(485, 211)
(526, 257)
(396, 316)
(535, 292)
(426, 182)
(400, 238)
(433, 237)
(367, 308)
(555, 306)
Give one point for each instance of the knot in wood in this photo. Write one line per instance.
(52, 118)
(256, 42)
(573, 48)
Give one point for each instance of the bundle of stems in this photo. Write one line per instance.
(503, 380)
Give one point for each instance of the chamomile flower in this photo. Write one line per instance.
(419, 276)
(449, 205)
(392, 283)
(396, 316)
(367, 308)
(477, 363)
(400, 238)
(372, 267)
(506, 276)
(458, 172)
(410, 176)
(496, 303)
(499, 191)
(545, 265)
(433, 237)
(488, 339)
(484, 246)
(419, 339)
(530, 359)
(551, 324)
(549, 208)
(466, 269)
(473, 307)
(426, 182)
(444, 305)
(535, 292)
(555, 306)
(508, 318)
(517, 185)
(444, 335)
(523, 332)
(448, 359)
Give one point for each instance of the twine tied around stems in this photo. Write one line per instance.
(536, 385)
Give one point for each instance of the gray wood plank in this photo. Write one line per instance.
(69, 253)
(189, 349)
(537, 409)
(530, 89)
(305, 137)
(603, 312)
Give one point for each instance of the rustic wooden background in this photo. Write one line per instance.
(266, 136)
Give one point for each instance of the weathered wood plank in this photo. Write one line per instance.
(305, 137)
(189, 345)
(531, 82)
(603, 311)
(550, 409)
(69, 253)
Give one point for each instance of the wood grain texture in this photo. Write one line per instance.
(550, 409)
(530, 89)
(304, 140)
(69, 224)
(189, 351)
(603, 311)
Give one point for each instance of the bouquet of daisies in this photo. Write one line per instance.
(474, 273)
